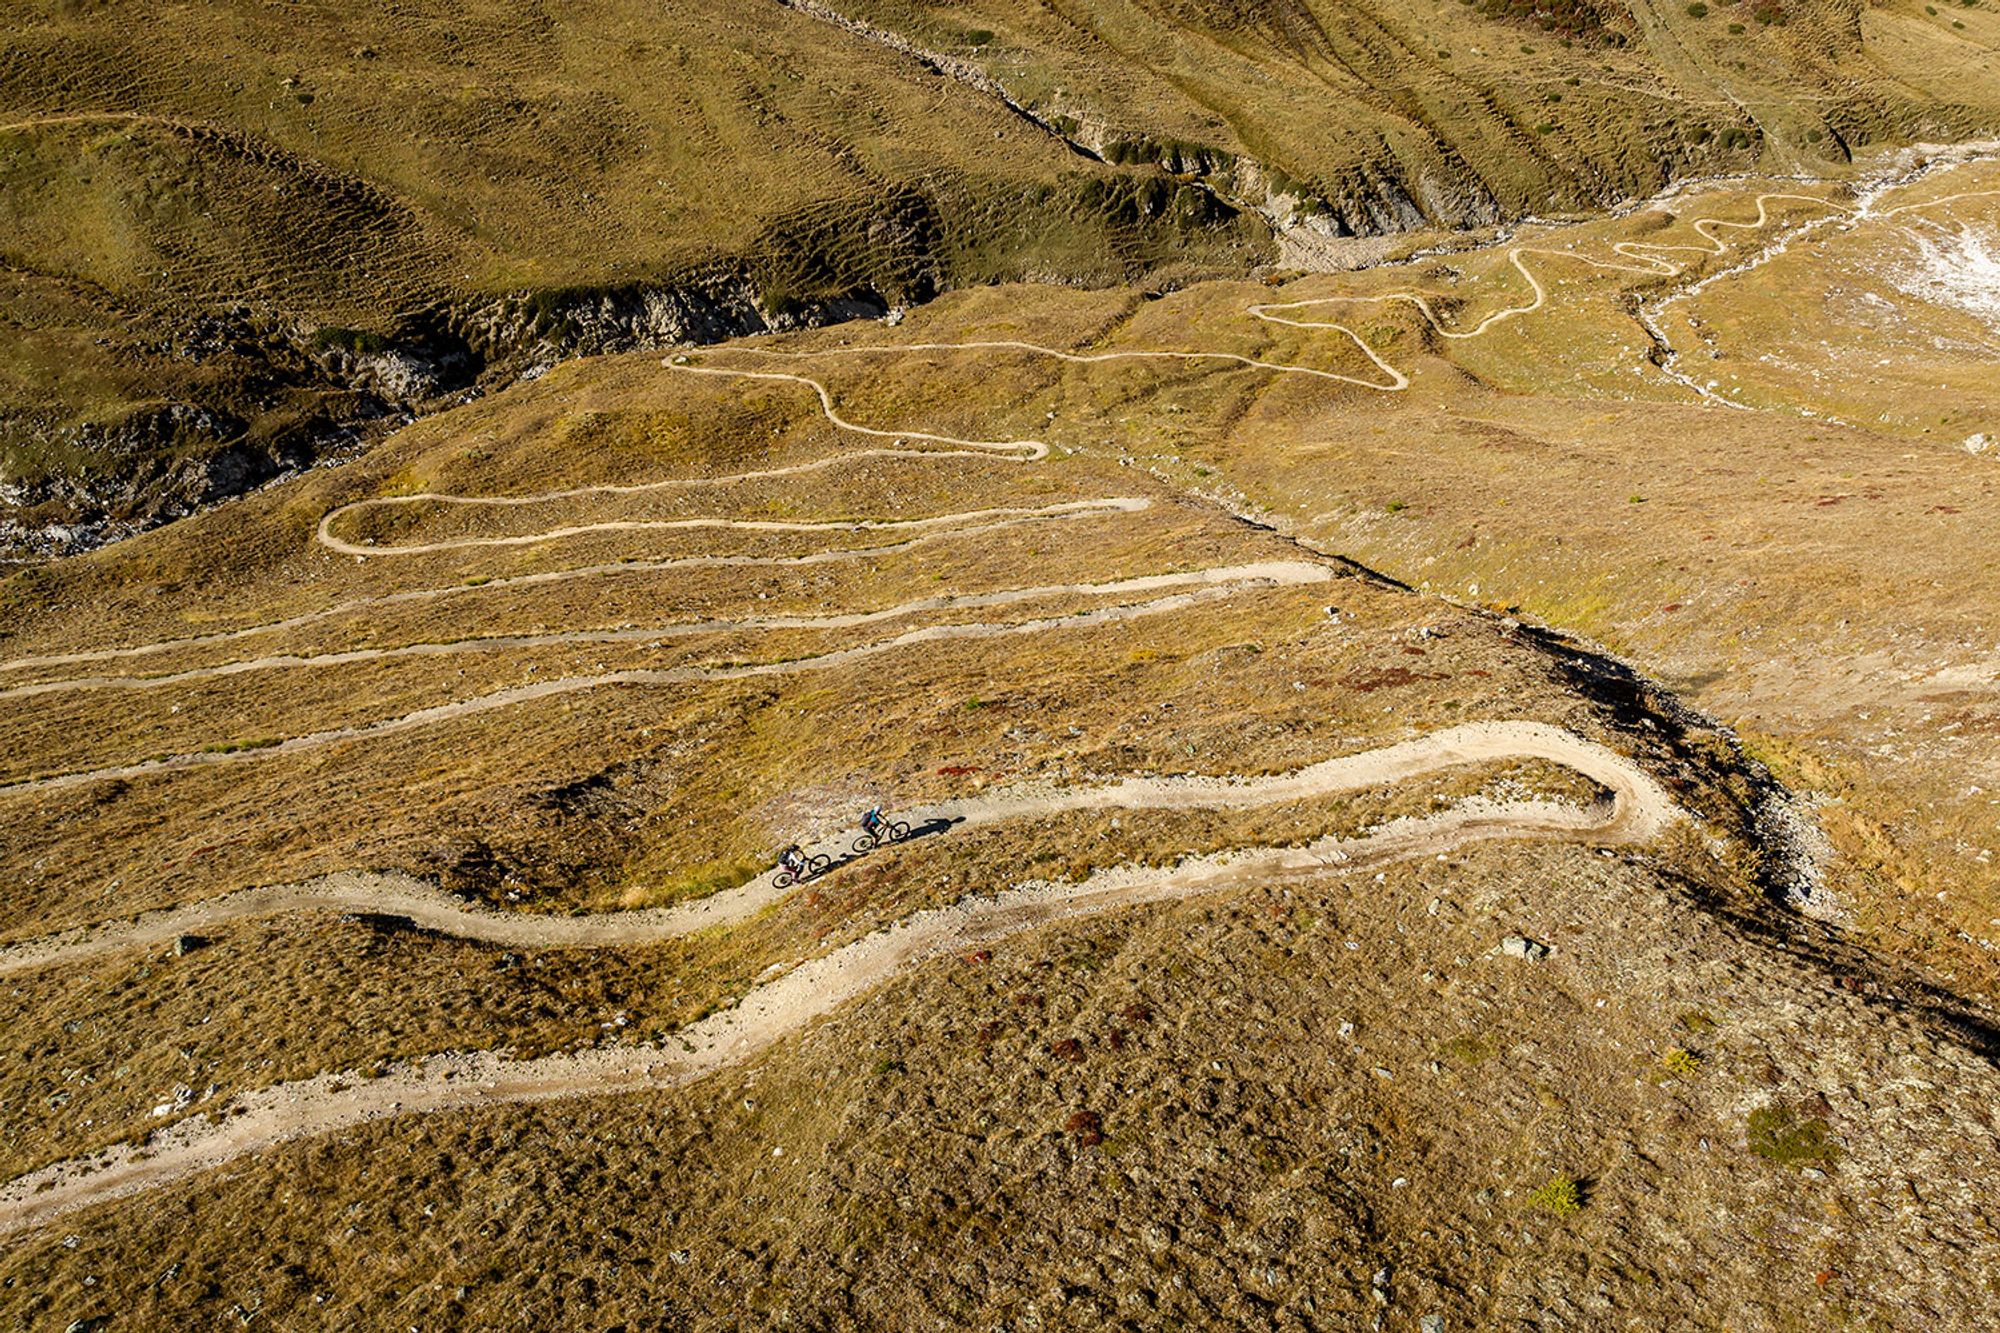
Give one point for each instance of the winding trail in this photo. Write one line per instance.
(1077, 509)
(1396, 382)
(655, 635)
(1019, 451)
(1648, 258)
(1645, 258)
(1205, 585)
(1022, 451)
(1640, 809)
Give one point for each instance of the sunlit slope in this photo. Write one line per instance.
(461, 149)
(218, 230)
(1360, 117)
(582, 656)
(391, 851)
(238, 238)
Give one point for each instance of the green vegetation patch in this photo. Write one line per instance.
(1778, 1134)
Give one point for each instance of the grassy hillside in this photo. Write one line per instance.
(240, 237)
(258, 228)
(1358, 117)
(1322, 1088)
(453, 777)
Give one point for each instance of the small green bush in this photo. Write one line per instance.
(1561, 1196)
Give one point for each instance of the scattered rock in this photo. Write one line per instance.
(1520, 946)
(187, 944)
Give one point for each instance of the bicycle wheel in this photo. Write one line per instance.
(898, 831)
(864, 843)
(784, 879)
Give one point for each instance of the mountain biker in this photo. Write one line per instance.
(872, 822)
(793, 858)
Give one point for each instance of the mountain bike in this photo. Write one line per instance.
(888, 831)
(812, 868)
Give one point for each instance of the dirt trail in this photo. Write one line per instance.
(1020, 451)
(1645, 258)
(1077, 509)
(1642, 803)
(1640, 809)
(1648, 259)
(648, 634)
(1206, 585)
(1397, 380)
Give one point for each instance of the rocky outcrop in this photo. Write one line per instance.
(161, 464)
(165, 462)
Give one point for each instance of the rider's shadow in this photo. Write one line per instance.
(928, 829)
(931, 828)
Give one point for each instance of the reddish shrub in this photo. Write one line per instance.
(1086, 1126)
(1069, 1050)
(1389, 678)
(1136, 1013)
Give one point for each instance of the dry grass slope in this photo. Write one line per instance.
(1199, 1089)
